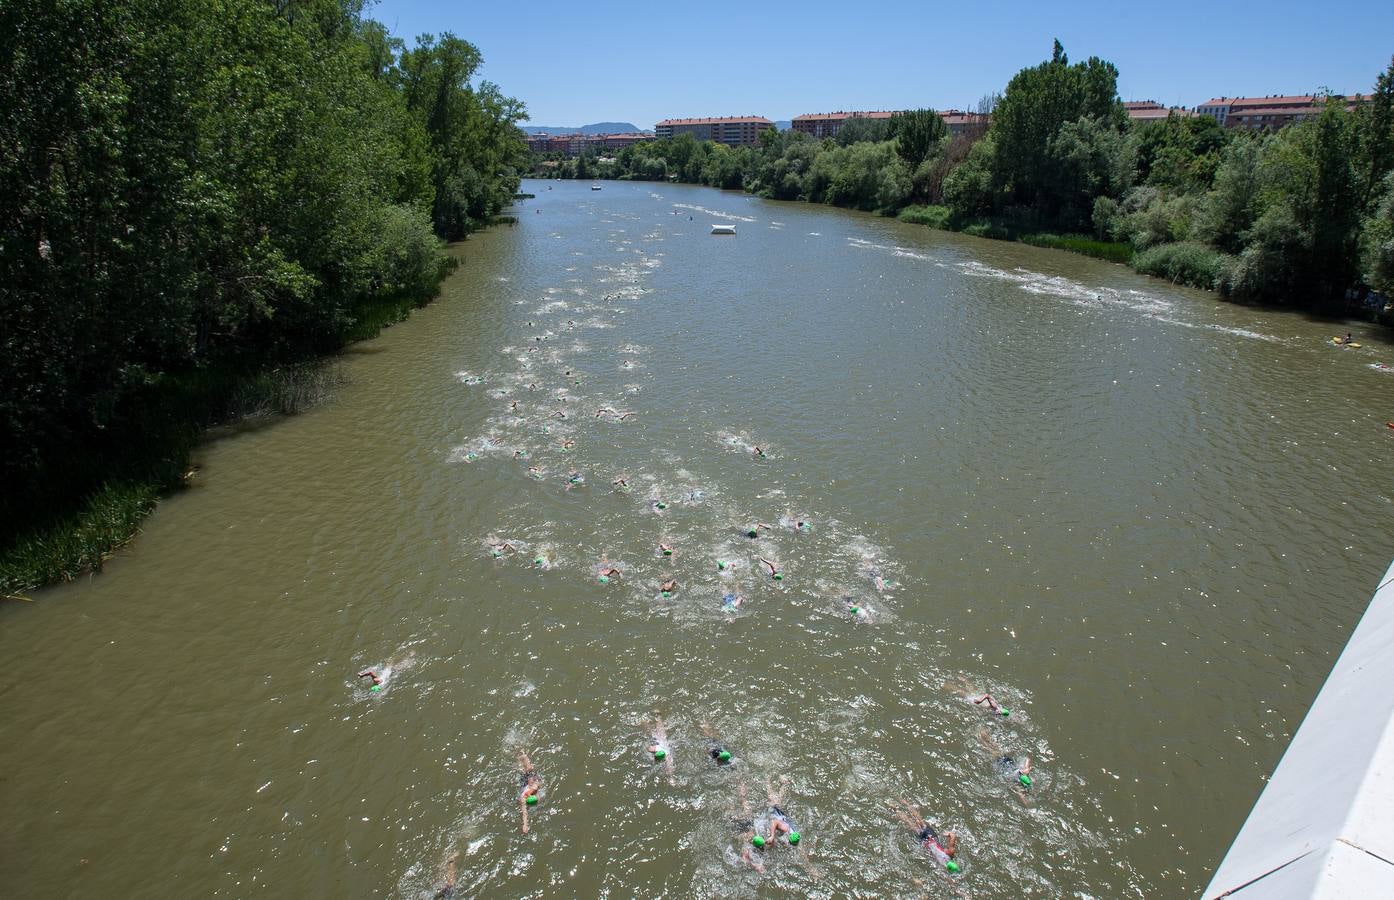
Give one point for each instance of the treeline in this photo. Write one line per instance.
(1302, 216)
(194, 189)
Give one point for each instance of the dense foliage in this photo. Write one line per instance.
(1302, 216)
(197, 186)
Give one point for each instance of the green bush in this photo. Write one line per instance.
(933, 216)
(1113, 251)
(1186, 263)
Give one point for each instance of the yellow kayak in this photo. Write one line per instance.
(1340, 342)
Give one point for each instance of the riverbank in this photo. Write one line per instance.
(83, 507)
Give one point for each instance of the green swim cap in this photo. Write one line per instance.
(376, 687)
(537, 561)
(721, 563)
(778, 576)
(854, 609)
(752, 533)
(724, 756)
(532, 800)
(1026, 780)
(604, 579)
(1006, 712)
(951, 866)
(660, 753)
(794, 837)
(758, 841)
(497, 554)
(667, 552)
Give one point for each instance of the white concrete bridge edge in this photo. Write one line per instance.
(1324, 825)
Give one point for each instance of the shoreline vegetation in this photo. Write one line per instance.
(1301, 217)
(204, 202)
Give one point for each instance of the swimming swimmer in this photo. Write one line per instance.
(669, 587)
(802, 526)
(743, 823)
(992, 704)
(780, 824)
(534, 471)
(943, 849)
(759, 452)
(1007, 766)
(501, 549)
(447, 889)
(568, 444)
(659, 747)
(754, 530)
(731, 602)
(603, 410)
(607, 573)
(574, 478)
(619, 482)
(665, 549)
(774, 570)
(715, 748)
(531, 786)
(559, 414)
(369, 673)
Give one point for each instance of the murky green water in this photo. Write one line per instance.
(1145, 520)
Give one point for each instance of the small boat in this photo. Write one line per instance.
(723, 229)
(595, 187)
(1342, 342)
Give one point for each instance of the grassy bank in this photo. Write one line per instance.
(89, 500)
(1012, 230)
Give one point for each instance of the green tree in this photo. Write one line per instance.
(917, 133)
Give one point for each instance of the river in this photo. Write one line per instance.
(1144, 520)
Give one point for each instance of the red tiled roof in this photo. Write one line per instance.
(720, 120)
(1274, 111)
(858, 114)
(1142, 104)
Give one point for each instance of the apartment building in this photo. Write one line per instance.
(734, 130)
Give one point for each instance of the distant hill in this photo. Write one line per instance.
(594, 128)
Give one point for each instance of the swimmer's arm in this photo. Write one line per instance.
(1026, 766)
(951, 845)
(523, 805)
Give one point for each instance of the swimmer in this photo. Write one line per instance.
(609, 572)
(669, 587)
(992, 704)
(520, 454)
(658, 504)
(369, 673)
(759, 452)
(780, 823)
(881, 584)
(743, 823)
(659, 747)
(603, 410)
(754, 530)
(774, 570)
(943, 849)
(627, 415)
(665, 549)
(535, 472)
(501, 549)
(559, 414)
(531, 786)
(568, 444)
(514, 407)
(715, 748)
(620, 482)
(802, 526)
(731, 602)
(574, 478)
(860, 611)
(1007, 766)
(447, 889)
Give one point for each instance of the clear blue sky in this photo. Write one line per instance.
(578, 62)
